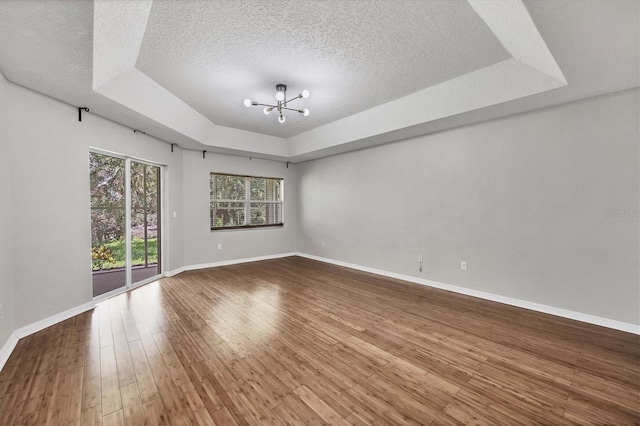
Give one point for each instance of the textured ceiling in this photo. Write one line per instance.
(92, 53)
(351, 55)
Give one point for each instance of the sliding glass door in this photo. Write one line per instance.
(125, 222)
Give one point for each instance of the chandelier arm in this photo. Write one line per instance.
(293, 109)
(292, 99)
(266, 105)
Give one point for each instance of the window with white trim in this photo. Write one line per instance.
(245, 201)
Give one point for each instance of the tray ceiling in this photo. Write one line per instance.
(351, 55)
(378, 71)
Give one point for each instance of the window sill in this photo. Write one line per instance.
(236, 228)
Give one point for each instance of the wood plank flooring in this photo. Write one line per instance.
(294, 341)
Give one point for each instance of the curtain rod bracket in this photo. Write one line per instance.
(288, 162)
(204, 154)
(139, 131)
(172, 145)
(80, 109)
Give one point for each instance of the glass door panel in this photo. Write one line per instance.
(108, 214)
(145, 221)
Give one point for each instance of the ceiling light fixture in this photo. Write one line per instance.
(281, 97)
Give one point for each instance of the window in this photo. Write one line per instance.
(245, 201)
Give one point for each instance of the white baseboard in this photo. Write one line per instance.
(578, 316)
(7, 348)
(174, 272)
(18, 334)
(53, 319)
(10, 344)
(233, 262)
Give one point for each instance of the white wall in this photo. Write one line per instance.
(522, 199)
(7, 321)
(201, 244)
(50, 214)
(44, 197)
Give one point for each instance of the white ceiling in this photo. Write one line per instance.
(378, 71)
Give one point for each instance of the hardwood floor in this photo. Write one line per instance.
(294, 341)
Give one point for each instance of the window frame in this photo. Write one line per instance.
(247, 203)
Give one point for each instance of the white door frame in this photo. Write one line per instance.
(127, 171)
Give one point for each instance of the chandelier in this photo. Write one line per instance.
(281, 97)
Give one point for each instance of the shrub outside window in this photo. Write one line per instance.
(245, 201)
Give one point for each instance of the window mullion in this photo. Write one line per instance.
(247, 201)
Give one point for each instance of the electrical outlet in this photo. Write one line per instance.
(219, 246)
(175, 213)
(420, 258)
(463, 265)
